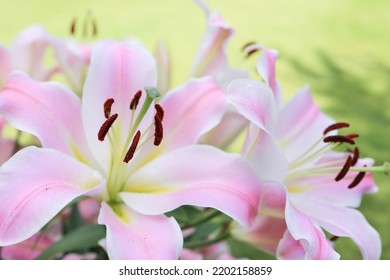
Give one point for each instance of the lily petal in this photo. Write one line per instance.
(118, 71)
(195, 175)
(310, 237)
(266, 66)
(134, 236)
(47, 110)
(265, 233)
(190, 111)
(28, 51)
(263, 153)
(211, 55)
(211, 58)
(229, 128)
(255, 101)
(300, 124)
(343, 221)
(73, 59)
(35, 184)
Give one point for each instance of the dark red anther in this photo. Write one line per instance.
(107, 107)
(249, 53)
(345, 169)
(352, 135)
(338, 139)
(94, 28)
(106, 127)
(357, 179)
(356, 154)
(247, 45)
(335, 126)
(158, 132)
(159, 112)
(130, 153)
(73, 26)
(135, 101)
(334, 238)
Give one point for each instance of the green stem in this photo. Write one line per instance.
(214, 213)
(202, 243)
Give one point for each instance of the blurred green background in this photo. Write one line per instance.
(340, 48)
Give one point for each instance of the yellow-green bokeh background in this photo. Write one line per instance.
(341, 48)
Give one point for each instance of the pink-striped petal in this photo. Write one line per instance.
(134, 236)
(229, 128)
(211, 56)
(28, 52)
(300, 125)
(118, 71)
(266, 66)
(345, 222)
(195, 175)
(47, 110)
(255, 101)
(265, 233)
(311, 242)
(263, 153)
(73, 60)
(35, 184)
(190, 111)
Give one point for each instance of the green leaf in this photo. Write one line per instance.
(79, 239)
(185, 214)
(242, 249)
(74, 220)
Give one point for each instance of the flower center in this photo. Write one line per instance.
(339, 166)
(122, 152)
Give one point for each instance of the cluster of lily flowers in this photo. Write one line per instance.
(100, 158)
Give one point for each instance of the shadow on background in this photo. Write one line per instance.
(359, 95)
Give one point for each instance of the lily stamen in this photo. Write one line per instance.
(133, 147)
(158, 133)
(357, 179)
(106, 127)
(335, 126)
(338, 139)
(134, 102)
(107, 107)
(352, 135)
(159, 112)
(356, 154)
(345, 169)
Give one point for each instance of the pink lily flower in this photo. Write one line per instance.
(26, 54)
(212, 60)
(140, 162)
(73, 59)
(306, 185)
